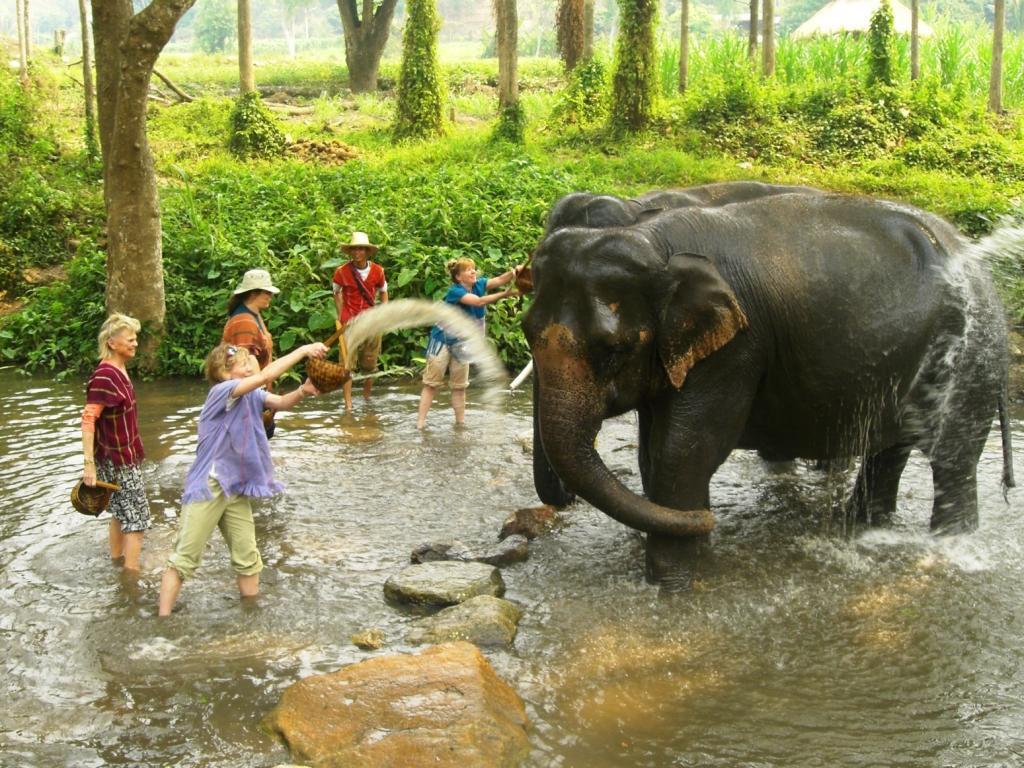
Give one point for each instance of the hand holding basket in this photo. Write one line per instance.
(325, 375)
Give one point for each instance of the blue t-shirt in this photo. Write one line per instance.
(454, 297)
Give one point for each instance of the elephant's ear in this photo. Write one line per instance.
(700, 316)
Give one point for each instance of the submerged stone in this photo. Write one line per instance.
(531, 522)
(443, 707)
(443, 583)
(369, 639)
(513, 549)
(483, 620)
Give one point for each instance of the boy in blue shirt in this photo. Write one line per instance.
(470, 294)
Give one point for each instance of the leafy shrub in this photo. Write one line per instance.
(583, 101)
(254, 132)
(511, 125)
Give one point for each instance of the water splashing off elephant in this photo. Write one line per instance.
(744, 315)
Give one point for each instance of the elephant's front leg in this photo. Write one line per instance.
(684, 438)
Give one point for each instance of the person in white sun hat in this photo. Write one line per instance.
(358, 285)
(245, 326)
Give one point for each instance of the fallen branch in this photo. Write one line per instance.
(170, 84)
(289, 108)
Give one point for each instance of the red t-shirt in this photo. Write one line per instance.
(117, 428)
(354, 300)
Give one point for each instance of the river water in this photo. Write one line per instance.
(800, 644)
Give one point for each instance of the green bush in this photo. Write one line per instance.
(254, 131)
(583, 102)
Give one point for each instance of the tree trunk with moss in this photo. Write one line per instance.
(570, 32)
(246, 72)
(127, 46)
(366, 35)
(995, 82)
(768, 39)
(588, 29)
(633, 78)
(418, 112)
(511, 121)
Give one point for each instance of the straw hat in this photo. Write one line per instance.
(91, 500)
(359, 240)
(256, 280)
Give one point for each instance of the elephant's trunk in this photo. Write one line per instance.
(571, 411)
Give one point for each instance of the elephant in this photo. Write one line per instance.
(583, 209)
(788, 320)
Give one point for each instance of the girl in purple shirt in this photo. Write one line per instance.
(232, 465)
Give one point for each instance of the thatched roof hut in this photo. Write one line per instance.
(855, 16)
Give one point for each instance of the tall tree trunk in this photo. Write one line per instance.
(915, 42)
(569, 29)
(127, 47)
(21, 12)
(507, 33)
(246, 72)
(87, 83)
(27, 21)
(365, 39)
(752, 31)
(995, 83)
(684, 44)
(588, 29)
(768, 39)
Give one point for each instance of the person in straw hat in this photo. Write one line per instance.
(358, 284)
(245, 326)
(111, 441)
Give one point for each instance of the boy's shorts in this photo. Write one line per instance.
(369, 352)
(444, 360)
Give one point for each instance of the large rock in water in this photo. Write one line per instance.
(482, 620)
(442, 707)
(443, 583)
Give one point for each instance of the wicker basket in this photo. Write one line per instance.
(92, 500)
(325, 375)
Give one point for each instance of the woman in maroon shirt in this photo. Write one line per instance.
(110, 438)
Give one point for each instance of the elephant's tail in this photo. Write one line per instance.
(1004, 429)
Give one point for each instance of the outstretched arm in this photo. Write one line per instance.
(276, 368)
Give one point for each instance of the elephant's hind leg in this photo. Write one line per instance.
(874, 496)
(955, 508)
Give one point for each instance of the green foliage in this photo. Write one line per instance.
(880, 46)
(418, 113)
(633, 77)
(216, 25)
(254, 131)
(40, 216)
(583, 102)
(511, 125)
(929, 143)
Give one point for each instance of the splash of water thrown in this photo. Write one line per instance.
(411, 313)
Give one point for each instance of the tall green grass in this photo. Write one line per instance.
(958, 54)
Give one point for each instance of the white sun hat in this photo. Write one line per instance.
(256, 280)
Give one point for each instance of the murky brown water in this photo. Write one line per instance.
(797, 647)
